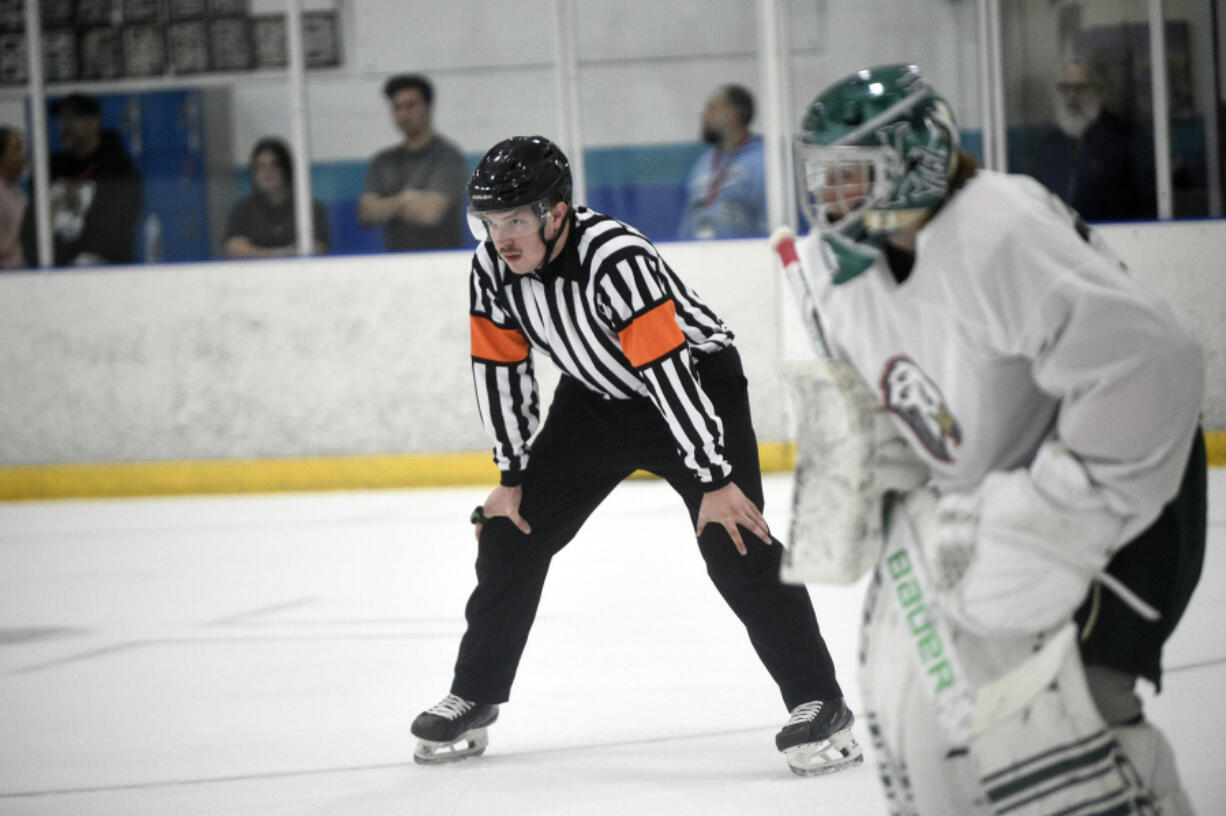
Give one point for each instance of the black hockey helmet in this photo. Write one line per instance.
(519, 171)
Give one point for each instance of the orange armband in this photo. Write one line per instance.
(651, 335)
(490, 342)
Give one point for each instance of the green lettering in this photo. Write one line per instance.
(899, 564)
(909, 593)
(918, 620)
(930, 646)
(944, 674)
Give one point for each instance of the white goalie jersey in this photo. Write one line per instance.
(1057, 398)
(997, 342)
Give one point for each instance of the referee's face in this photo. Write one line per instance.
(516, 234)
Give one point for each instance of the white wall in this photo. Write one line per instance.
(369, 354)
(283, 358)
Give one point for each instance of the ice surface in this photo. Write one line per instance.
(266, 654)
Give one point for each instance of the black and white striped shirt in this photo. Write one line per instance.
(612, 315)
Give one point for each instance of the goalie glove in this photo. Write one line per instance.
(1017, 555)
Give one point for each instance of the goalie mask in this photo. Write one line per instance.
(528, 172)
(875, 153)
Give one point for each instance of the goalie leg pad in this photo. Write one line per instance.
(1150, 754)
(1037, 744)
(895, 781)
(1056, 754)
(921, 771)
(1146, 747)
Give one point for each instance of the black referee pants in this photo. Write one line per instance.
(587, 446)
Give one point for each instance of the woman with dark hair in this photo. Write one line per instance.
(262, 224)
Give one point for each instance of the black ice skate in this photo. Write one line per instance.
(452, 730)
(817, 739)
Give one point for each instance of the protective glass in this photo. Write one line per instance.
(501, 225)
(840, 183)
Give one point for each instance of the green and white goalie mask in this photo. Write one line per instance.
(875, 152)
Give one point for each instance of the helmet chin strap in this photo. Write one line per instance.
(550, 243)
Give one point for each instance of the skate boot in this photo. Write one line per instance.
(452, 730)
(817, 739)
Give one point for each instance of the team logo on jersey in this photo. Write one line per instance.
(915, 398)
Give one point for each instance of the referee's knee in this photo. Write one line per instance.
(723, 560)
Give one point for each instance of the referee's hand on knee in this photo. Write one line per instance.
(729, 507)
(503, 501)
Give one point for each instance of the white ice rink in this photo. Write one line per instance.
(266, 654)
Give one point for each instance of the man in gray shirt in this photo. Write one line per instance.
(415, 189)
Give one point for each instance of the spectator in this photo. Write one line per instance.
(262, 225)
(13, 201)
(415, 189)
(726, 188)
(1089, 158)
(96, 192)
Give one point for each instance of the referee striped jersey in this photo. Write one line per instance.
(612, 315)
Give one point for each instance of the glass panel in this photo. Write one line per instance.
(646, 91)
(1078, 105)
(1191, 89)
(832, 40)
(254, 208)
(150, 131)
(257, 215)
(1216, 75)
(17, 247)
(130, 175)
(189, 106)
(491, 75)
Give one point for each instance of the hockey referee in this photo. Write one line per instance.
(651, 380)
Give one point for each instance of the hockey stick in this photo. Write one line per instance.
(783, 242)
(836, 504)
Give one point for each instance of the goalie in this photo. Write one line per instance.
(1052, 407)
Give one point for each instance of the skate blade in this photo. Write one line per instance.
(470, 744)
(828, 756)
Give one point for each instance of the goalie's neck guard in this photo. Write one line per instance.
(846, 257)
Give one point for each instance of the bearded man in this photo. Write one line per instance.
(1089, 158)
